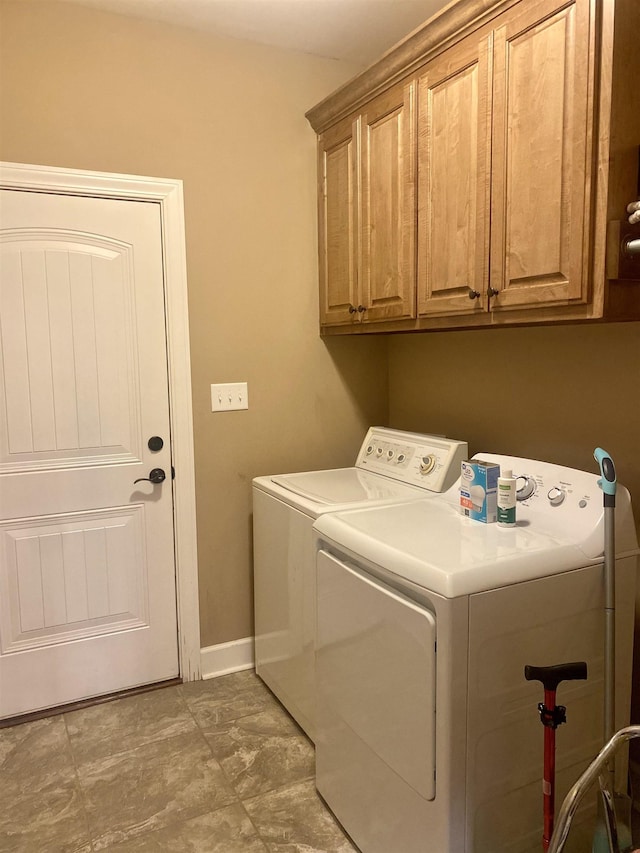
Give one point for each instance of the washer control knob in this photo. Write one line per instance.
(369, 449)
(400, 458)
(526, 489)
(427, 464)
(379, 451)
(390, 454)
(556, 496)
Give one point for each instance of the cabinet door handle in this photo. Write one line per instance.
(361, 308)
(352, 309)
(491, 291)
(474, 294)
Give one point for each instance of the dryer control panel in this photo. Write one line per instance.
(557, 500)
(428, 461)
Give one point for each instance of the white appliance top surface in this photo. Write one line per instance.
(432, 545)
(345, 485)
(317, 492)
(392, 465)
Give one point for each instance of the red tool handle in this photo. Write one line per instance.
(551, 716)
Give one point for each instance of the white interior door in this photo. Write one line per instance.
(87, 571)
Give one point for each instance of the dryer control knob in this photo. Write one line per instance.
(526, 489)
(556, 496)
(427, 464)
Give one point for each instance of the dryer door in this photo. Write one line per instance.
(375, 675)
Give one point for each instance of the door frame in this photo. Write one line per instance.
(168, 194)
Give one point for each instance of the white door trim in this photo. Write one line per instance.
(168, 194)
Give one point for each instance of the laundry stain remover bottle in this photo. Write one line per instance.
(507, 499)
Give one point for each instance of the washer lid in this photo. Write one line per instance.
(344, 486)
(432, 545)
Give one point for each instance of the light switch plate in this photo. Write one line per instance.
(229, 396)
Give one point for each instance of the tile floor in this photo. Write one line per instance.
(213, 766)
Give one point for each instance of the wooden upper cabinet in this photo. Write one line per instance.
(454, 150)
(541, 151)
(501, 182)
(338, 219)
(367, 213)
(387, 220)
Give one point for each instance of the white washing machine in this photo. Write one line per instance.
(428, 738)
(391, 467)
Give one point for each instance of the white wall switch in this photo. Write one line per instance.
(229, 396)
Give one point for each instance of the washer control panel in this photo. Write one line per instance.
(539, 488)
(429, 461)
(559, 501)
(545, 487)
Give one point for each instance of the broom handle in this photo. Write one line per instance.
(610, 622)
(607, 483)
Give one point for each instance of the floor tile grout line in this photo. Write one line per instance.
(271, 701)
(299, 732)
(197, 725)
(255, 828)
(210, 748)
(139, 746)
(201, 736)
(153, 740)
(278, 789)
(156, 741)
(263, 839)
(83, 801)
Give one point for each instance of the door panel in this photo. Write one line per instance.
(338, 216)
(68, 577)
(71, 389)
(387, 286)
(86, 556)
(454, 148)
(540, 187)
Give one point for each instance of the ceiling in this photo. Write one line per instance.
(357, 31)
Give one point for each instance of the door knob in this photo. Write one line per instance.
(474, 294)
(156, 475)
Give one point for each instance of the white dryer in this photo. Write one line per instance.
(392, 467)
(427, 738)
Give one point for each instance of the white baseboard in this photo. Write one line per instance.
(227, 657)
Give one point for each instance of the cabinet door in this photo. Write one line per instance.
(454, 102)
(387, 163)
(338, 223)
(541, 153)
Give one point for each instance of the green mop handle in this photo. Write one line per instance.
(608, 485)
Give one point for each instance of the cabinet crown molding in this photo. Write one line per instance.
(451, 24)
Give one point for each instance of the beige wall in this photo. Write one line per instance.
(89, 90)
(553, 393)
